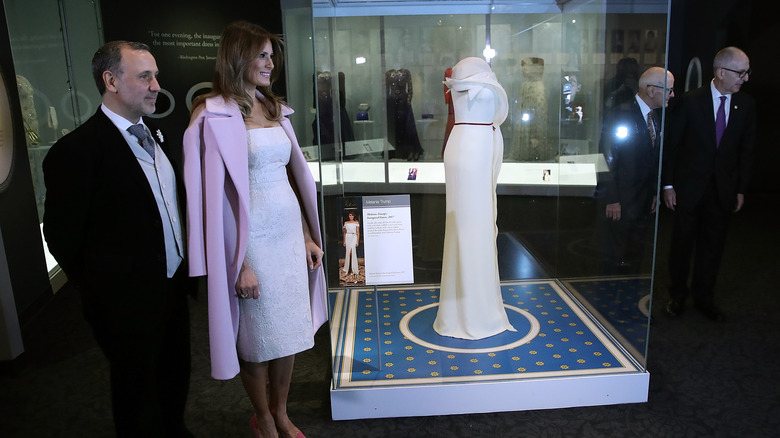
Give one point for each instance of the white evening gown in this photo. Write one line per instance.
(470, 303)
(278, 323)
(351, 240)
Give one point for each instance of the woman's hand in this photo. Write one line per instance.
(247, 285)
(313, 254)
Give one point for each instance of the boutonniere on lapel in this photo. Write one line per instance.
(160, 136)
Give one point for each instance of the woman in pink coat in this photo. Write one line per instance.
(252, 213)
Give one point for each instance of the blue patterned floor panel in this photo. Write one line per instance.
(385, 338)
(621, 304)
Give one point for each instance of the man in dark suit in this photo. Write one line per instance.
(112, 221)
(705, 173)
(630, 143)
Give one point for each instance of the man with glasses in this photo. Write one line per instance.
(706, 165)
(630, 142)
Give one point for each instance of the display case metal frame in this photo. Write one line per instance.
(547, 229)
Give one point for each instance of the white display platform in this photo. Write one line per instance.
(389, 363)
(482, 397)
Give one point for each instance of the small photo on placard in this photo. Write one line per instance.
(352, 262)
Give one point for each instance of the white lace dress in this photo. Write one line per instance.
(278, 323)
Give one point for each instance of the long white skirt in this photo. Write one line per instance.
(470, 302)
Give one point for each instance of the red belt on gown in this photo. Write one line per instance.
(478, 124)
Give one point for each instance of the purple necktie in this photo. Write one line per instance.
(720, 120)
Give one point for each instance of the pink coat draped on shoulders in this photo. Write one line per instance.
(216, 177)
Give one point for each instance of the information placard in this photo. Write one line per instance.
(388, 239)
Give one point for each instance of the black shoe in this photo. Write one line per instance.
(712, 313)
(674, 308)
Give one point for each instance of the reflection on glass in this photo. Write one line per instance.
(55, 84)
(530, 137)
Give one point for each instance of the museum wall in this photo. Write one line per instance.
(184, 38)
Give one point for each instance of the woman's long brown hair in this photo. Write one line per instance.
(240, 44)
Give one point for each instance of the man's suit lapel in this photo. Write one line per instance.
(736, 120)
(706, 114)
(640, 121)
(158, 137)
(114, 143)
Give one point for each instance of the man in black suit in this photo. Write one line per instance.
(630, 143)
(705, 173)
(112, 221)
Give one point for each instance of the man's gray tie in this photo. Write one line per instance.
(144, 138)
(651, 127)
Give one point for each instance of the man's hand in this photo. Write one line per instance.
(740, 202)
(613, 211)
(670, 198)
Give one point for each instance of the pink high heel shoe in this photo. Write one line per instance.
(253, 425)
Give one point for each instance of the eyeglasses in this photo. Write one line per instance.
(740, 73)
(668, 90)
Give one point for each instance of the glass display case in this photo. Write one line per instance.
(576, 285)
(52, 45)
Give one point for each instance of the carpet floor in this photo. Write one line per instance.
(706, 379)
